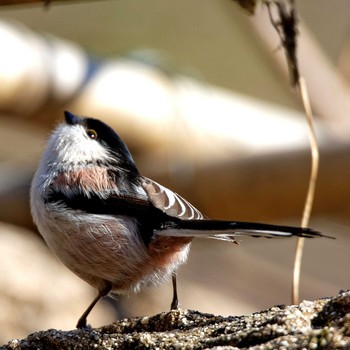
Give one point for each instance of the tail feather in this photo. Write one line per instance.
(229, 230)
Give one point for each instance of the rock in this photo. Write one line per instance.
(323, 323)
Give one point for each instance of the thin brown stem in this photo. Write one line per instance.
(311, 189)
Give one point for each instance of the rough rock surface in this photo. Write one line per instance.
(321, 324)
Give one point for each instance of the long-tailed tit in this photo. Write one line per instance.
(116, 229)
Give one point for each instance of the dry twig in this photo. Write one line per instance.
(286, 27)
(311, 189)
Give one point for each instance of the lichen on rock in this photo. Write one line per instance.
(323, 323)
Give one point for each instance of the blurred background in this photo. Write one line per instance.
(199, 90)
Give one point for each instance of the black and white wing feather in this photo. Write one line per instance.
(187, 221)
(170, 202)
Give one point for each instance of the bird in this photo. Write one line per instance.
(116, 229)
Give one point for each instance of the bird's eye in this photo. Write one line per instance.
(92, 134)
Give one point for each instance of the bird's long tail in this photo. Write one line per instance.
(229, 230)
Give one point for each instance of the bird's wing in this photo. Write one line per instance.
(170, 202)
(193, 223)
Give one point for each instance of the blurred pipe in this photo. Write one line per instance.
(147, 106)
(329, 92)
(34, 68)
(43, 75)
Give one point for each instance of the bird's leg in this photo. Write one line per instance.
(175, 302)
(101, 293)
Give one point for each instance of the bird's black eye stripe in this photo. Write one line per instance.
(92, 134)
